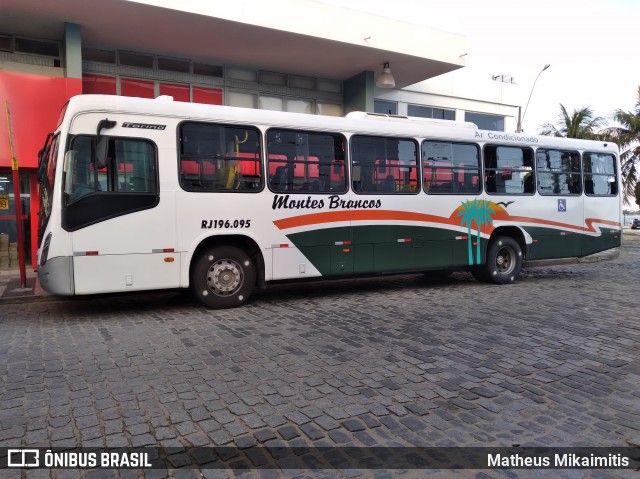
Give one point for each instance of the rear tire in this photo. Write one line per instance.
(504, 261)
(223, 277)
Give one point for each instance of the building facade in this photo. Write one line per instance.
(291, 55)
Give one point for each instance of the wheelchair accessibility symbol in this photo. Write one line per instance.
(562, 205)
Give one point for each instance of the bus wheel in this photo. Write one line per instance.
(504, 260)
(223, 277)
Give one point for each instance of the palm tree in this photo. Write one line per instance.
(478, 212)
(580, 124)
(485, 218)
(468, 215)
(627, 136)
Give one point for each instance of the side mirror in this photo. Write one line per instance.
(67, 166)
(102, 152)
(102, 143)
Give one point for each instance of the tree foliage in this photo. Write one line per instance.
(627, 136)
(580, 124)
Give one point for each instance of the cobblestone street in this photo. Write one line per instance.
(553, 360)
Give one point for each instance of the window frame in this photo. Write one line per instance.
(570, 172)
(327, 191)
(379, 102)
(454, 170)
(512, 170)
(399, 189)
(485, 117)
(433, 110)
(98, 205)
(258, 162)
(587, 175)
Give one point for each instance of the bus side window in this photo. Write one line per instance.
(80, 169)
(588, 186)
(450, 168)
(558, 172)
(384, 165)
(279, 179)
(303, 162)
(127, 182)
(356, 177)
(219, 158)
(511, 168)
(490, 181)
(529, 185)
(600, 175)
(388, 185)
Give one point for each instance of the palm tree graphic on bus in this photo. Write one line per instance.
(478, 212)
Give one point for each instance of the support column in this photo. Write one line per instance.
(72, 50)
(358, 92)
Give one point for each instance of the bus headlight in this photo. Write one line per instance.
(45, 250)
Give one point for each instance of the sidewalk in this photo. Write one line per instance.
(11, 287)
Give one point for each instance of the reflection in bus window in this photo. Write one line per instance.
(80, 177)
(450, 167)
(558, 172)
(219, 158)
(600, 174)
(131, 168)
(303, 162)
(384, 165)
(508, 170)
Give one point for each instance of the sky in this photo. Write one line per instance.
(591, 45)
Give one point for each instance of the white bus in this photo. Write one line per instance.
(141, 194)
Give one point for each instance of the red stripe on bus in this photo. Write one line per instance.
(361, 215)
(453, 220)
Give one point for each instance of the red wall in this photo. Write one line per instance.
(35, 102)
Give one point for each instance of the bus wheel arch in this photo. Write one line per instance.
(504, 256)
(225, 270)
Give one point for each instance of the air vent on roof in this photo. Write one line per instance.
(363, 115)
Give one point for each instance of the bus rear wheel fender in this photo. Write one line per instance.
(503, 261)
(223, 277)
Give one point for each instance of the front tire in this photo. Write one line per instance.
(223, 277)
(504, 261)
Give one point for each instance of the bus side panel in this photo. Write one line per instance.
(603, 214)
(291, 263)
(432, 235)
(558, 229)
(131, 272)
(222, 218)
(136, 251)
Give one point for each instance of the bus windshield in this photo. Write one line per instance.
(47, 159)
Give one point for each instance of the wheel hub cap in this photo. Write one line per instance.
(503, 260)
(224, 277)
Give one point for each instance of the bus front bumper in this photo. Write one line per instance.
(56, 276)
